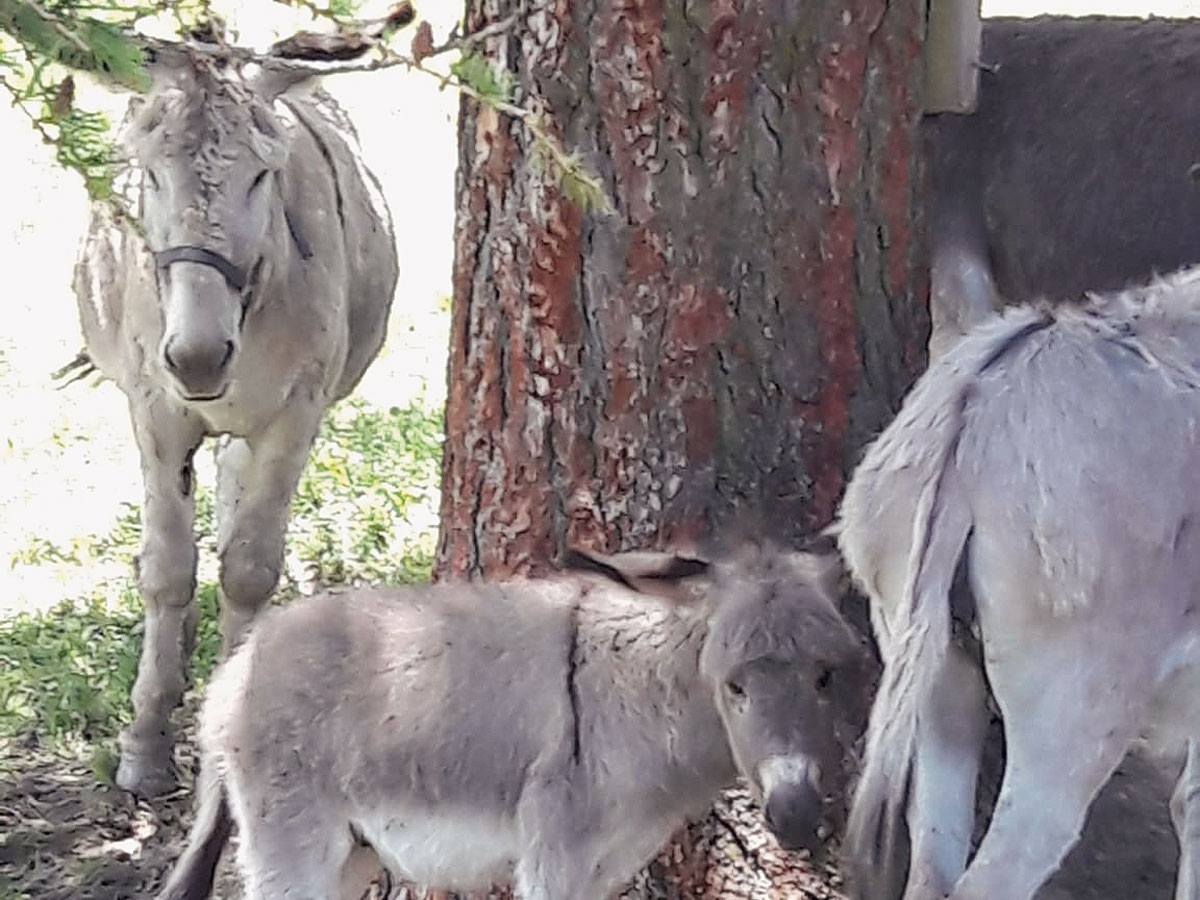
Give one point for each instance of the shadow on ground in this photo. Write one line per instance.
(64, 836)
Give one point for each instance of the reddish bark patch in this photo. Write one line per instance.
(840, 100)
(896, 52)
(735, 47)
(699, 320)
(474, 399)
(700, 422)
(627, 86)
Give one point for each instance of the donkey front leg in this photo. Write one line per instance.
(256, 479)
(166, 575)
(1185, 816)
(581, 849)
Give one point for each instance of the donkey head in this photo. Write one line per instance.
(790, 678)
(791, 683)
(210, 149)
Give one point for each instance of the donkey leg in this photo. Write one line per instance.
(962, 292)
(166, 574)
(941, 814)
(292, 844)
(581, 849)
(295, 864)
(563, 871)
(1065, 732)
(257, 479)
(1185, 816)
(563, 844)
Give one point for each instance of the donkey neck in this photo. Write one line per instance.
(640, 696)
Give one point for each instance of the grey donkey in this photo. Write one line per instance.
(549, 732)
(257, 297)
(1052, 454)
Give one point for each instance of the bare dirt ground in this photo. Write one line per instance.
(67, 463)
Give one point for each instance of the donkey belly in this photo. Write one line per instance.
(460, 850)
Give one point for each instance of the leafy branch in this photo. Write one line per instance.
(474, 76)
(42, 41)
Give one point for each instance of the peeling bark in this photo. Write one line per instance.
(715, 352)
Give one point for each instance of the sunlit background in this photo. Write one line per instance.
(67, 460)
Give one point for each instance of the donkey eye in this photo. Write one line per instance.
(824, 679)
(735, 689)
(152, 178)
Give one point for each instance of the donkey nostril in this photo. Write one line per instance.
(228, 354)
(771, 817)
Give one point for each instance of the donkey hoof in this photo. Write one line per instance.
(146, 775)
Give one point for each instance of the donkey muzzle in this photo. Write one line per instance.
(199, 369)
(204, 300)
(792, 801)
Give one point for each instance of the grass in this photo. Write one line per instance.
(365, 511)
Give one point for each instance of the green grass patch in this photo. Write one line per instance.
(364, 512)
(363, 508)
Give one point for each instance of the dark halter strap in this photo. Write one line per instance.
(234, 277)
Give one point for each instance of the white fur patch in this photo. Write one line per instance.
(792, 769)
(450, 850)
(374, 193)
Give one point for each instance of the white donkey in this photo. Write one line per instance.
(261, 298)
(555, 732)
(1054, 454)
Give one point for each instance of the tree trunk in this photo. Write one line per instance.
(714, 352)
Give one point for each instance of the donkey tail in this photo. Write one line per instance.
(916, 652)
(195, 872)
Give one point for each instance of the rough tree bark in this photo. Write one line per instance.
(720, 346)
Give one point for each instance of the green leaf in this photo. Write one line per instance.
(492, 84)
(103, 49)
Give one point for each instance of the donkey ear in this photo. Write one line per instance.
(170, 65)
(648, 572)
(578, 561)
(677, 568)
(274, 77)
(823, 569)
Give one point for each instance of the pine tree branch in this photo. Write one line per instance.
(57, 25)
(470, 41)
(116, 54)
(581, 185)
(89, 44)
(18, 101)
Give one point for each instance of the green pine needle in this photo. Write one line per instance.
(473, 70)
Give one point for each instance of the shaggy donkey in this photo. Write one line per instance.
(1053, 453)
(552, 732)
(258, 297)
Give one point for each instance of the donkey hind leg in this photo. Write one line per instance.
(256, 480)
(1185, 816)
(941, 813)
(962, 291)
(166, 575)
(1065, 735)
